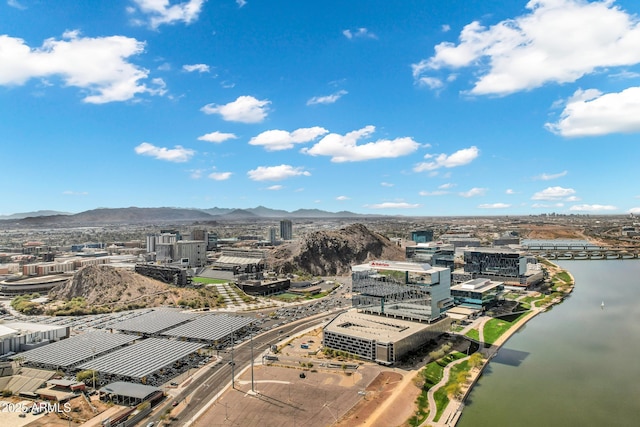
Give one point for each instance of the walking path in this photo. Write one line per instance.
(453, 410)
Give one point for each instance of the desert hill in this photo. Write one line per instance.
(110, 288)
(327, 253)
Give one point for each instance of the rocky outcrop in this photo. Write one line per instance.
(327, 253)
(99, 284)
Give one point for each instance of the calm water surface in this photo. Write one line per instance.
(576, 365)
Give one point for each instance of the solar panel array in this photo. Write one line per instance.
(71, 351)
(142, 358)
(153, 322)
(210, 328)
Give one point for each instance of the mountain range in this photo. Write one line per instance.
(135, 215)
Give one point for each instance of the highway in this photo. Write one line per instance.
(203, 389)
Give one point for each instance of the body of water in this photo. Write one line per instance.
(576, 365)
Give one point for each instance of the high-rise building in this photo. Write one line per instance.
(286, 229)
(272, 235)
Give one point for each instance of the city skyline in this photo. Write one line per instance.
(418, 109)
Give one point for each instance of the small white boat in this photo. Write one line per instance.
(602, 305)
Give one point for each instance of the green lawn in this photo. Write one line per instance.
(474, 334)
(494, 328)
(207, 280)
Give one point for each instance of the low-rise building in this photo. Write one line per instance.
(477, 293)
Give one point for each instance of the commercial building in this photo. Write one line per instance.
(435, 253)
(286, 229)
(405, 290)
(422, 236)
(21, 336)
(264, 287)
(477, 293)
(495, 262)
(379, 339)
(501, 264)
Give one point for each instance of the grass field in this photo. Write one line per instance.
(207, 280)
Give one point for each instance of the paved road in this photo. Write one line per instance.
(204, 388)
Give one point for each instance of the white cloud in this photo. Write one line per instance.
(217, 137)
(556, 41)
(445, 28)
(494, 206)
(433, 193)
(509, 191)
(328, 99)
(344, 148)
(553, 193)
(386, 184)
(220, 176)
(360, 33)
(592, 208)
(635, 211)
(241, 3)
(201, 68)
(16, 4)
(161, 12)
(195, 173)
(275, 140)
(276, 173)
(459, 158)
(275, 187)
(591, 113)
(177, 154)
(245, 109)
(342, 198)
(550, 176)
(98, 65)
(393, 205)
(430, 82)
(446, 186)
(474, 192)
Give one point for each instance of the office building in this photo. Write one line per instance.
(286, 229)
(405, 290)
(422, 236)
(477, 293)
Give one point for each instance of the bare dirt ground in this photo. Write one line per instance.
(80, 412)
(285, 399)
(387, 386)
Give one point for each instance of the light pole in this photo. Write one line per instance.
(232, 363)
(251, 339)
(93, 350)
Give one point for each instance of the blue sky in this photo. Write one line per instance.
(417, 108)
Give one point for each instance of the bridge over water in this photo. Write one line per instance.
(564, 251)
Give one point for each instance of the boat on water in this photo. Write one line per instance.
(602, 305)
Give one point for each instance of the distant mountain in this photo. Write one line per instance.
(33, 214)
(238, 214)
(163, 215)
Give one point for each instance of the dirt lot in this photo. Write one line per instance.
(285, 399)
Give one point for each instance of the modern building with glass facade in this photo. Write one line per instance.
(422, 236)
(477, 293)
(437, 254)
(404, 290)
